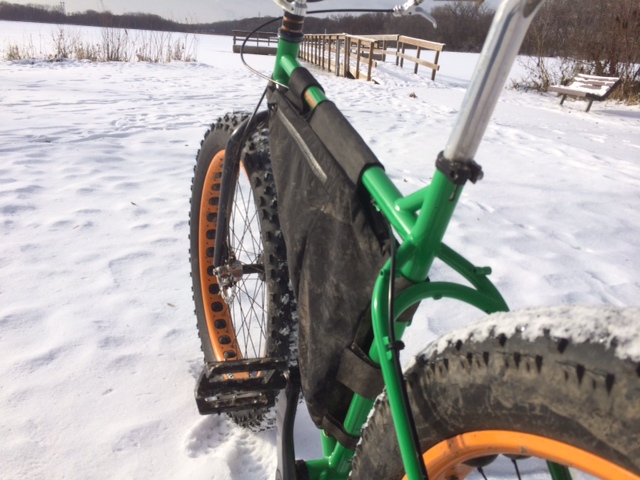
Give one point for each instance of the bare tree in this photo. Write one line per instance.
(600, 37)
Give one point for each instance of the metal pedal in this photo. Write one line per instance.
(219, 390)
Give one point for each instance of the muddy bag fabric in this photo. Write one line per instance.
(336, 245)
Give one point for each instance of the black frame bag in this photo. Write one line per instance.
(336, 245)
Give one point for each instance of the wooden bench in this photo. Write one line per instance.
(591, 87)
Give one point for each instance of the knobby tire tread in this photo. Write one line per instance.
(581, 394)
(281, 328)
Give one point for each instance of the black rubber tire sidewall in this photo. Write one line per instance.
(584, 396)
(281, 328)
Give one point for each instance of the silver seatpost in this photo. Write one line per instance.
(503, 42)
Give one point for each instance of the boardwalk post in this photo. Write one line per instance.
(371, 44)
(338, 50)
(433, 73)
(347, 54)
(359, 45)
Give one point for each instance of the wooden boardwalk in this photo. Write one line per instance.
(355, 56)
(261, 43)
(347, 55)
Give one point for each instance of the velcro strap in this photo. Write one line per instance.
(335, 429)
(359, 373)
(299, 82)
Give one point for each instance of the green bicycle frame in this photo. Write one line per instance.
(421, 220)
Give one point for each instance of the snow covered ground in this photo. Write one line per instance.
(99, 352)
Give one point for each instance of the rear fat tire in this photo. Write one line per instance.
(576, 392)
(275, 307)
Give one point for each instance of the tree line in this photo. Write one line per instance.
(462, 27)
(55, 14)
(600, 37)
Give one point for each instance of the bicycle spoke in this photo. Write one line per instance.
(239, 241)
(515, 465)
(244, 324)
(250, 313)
(254, 312)
(247, 298)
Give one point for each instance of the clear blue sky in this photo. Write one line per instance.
(198, 11)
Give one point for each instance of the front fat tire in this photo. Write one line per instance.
(577, 389)
(204, 283)
(268, 330)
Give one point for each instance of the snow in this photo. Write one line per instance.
(605, 325)
(97, 333)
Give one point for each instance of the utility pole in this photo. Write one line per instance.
(62, 9)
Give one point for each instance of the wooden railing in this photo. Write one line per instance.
(340, 53)
(409, 43)
(348, 55)
(356, 56)
(260, 43)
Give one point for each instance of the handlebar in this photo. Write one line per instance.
(412, 7)
(295, 7)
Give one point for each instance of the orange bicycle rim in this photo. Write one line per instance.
(446, 459)
(219, 321)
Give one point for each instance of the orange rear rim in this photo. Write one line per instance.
(219, 321)
(446, 459)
